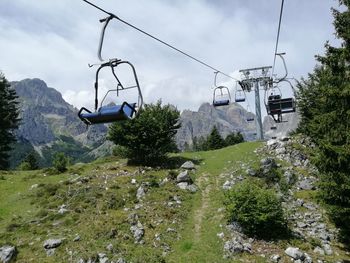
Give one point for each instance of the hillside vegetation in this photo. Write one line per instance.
(108, 211)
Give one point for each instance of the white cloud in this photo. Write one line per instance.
(55, 40)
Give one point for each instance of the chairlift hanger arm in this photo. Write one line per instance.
(285, 68)
(111, 15)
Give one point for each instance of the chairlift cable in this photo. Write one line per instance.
(278, 36)
(159, 40)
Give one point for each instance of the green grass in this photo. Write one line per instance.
(205, 246)
(101, 202)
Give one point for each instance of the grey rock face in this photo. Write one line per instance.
(7, 253)
(294, 253)
(188, 165)
(183, 177)
(227, 119)
(52, 243)
(192, 188)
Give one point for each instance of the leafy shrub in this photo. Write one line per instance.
(149, 137)
(120, 151)
(60, 162)
(256, 209)
(30, 162)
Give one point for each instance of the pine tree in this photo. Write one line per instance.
(324, 104)
(215, 141)
(8, 120)
(234, 138)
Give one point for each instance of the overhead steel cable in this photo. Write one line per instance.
(159, 40)
(277, 39)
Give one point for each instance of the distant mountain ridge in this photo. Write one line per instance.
(228, 119)
(48, 121)
(49, 124)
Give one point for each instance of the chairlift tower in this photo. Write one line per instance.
(255, 77)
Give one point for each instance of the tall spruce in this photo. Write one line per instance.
(9, 120)
(215, 141)
(324, 104)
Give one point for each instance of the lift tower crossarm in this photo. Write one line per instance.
(258, 79)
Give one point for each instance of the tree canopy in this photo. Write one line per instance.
(150, 136)
(9, 120)
(324, 104)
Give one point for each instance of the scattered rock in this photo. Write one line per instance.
(62, 209)
(133, 181)
(294, 253)
(307, 184)
(109, 247)
(76, 239)
(7, 253)
(182, 185)
(141, 192)
(307, 259)
(188, 165)
(221, 235)
(50, 251)
(138, 231)
(121, 260)
(233, 247)
(227, 185)
(327, 249)
(251, 172)
(102, 258)
(52, 243)
(183, 177)
(275, 258)
(319, 251)
(192, 188)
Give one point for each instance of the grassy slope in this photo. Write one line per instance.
(200, 242)
(100, 198)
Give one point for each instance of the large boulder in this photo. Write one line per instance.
(188, 165)
(183, 177)
(7, 253)
(295, 253)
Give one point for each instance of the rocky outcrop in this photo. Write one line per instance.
(227, 119)
(46, 116)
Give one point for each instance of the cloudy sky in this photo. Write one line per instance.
(55, 41)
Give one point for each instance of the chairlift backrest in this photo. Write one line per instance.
(221, 96)
(123, 111)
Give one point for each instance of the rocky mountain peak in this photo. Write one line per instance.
(36, 92)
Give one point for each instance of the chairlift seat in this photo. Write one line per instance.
(217, 103)
(273, 128)
(280, 106)
(250, 119)
(240, 100)
(107, 114)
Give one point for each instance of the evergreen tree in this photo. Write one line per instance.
(324, 104)
(215, 141)
(234, 138)
(30, 162)
(149, 137)
(8, 120)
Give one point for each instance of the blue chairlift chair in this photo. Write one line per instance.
(112, 113)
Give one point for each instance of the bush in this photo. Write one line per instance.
(30, 162)
(60, 162)
(150, 136)
(256, 209)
